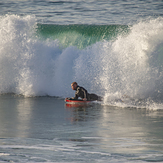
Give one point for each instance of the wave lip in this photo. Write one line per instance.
(80, 35)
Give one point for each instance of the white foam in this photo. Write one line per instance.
(4, 154)
(132, 64)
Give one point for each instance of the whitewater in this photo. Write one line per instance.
(119, 62)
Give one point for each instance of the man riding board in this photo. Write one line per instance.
(83, 94)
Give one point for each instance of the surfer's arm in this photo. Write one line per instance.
(85, 94)
(76, 96)
(78, 93)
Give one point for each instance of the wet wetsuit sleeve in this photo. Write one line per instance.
(80, 92)
(85, 92)
(77, 93)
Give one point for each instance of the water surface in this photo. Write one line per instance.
(45, 129)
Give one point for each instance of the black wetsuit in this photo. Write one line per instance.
(82, 93)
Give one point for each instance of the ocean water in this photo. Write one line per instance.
(113, 49)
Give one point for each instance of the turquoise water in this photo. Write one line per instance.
(80, 36)
(113, 49)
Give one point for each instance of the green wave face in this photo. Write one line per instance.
(80, 36)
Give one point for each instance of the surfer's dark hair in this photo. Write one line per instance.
(74, 83)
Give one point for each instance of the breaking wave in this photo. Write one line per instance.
(121, 63)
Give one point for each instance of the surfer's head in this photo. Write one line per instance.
(74, 85)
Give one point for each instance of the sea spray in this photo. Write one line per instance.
(26, 63)
(137, 71)
(14, 33)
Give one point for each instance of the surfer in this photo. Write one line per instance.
(82, 93)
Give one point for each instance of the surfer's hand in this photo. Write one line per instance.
(84, 99)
